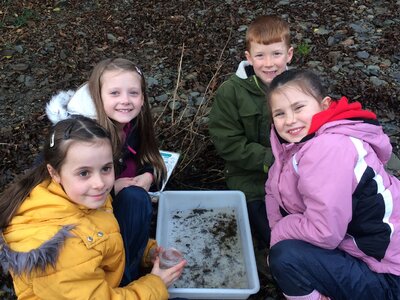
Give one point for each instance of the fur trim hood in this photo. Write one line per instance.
(36, 259)
(66, 103)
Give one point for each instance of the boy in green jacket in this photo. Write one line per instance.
(239, 121)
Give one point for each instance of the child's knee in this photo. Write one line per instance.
(285, 256)
(134, 197)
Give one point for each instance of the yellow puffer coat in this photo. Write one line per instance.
(57, 250)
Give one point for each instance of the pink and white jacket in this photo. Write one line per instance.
(331, 189)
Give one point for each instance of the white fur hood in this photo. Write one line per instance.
(66, 103)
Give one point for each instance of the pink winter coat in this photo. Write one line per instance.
(332, 191)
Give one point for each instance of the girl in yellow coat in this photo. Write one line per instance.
(60, 239)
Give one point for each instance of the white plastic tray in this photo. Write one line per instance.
(184, 200)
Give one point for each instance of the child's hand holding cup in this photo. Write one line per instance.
(169, 258)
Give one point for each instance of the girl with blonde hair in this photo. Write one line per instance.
(116, 97)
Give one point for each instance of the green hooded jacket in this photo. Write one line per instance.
(239, 125)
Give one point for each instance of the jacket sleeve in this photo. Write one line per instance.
(326, 175)
(91, 276)
(146, 260)
(84, 282)
(272, 205)
(229, 136)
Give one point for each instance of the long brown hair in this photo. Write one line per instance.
(62, 135)
(148, 152)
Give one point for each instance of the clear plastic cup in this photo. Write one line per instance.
(169, 258)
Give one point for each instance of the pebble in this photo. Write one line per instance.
(20, 67)
(151, 81)
(200, 101)
(111, 37)
(174, 105)
(242, 28)
(29, 81)
(162, 98)
(362, 54)
(377, 82)
(19, 48)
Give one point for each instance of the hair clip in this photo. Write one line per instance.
(52, 140)
(138, 70)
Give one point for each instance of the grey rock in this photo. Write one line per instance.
(396, 76)
(194, 94)
(63, 54)
(375, 59)
(200, 101)
(157, 110)
(331, 41)
(21, 78)
(204, 120)
(313, 63)
(49, 47)
(335, 69)
(283, 2)
(44, 82)
(377, 82)
(362, 54)
(162, 98)
(30, 81)
(111, 37)
(166, 81)
(380, 10)
(151, 81)
(191, 76)
(373, 70)
(391, 129)
(388, 22)
(357, 28)
(242, 28)
(19, 48)
(359, 64)
(232, 51)
(188, 112)
(175, 105)
(386, 63)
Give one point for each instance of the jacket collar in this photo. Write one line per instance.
(340, 110)
(244, 70)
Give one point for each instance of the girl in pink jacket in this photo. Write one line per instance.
(333, 209)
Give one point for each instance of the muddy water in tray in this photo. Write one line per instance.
(210, 241)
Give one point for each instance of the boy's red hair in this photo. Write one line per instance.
(267, 30)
